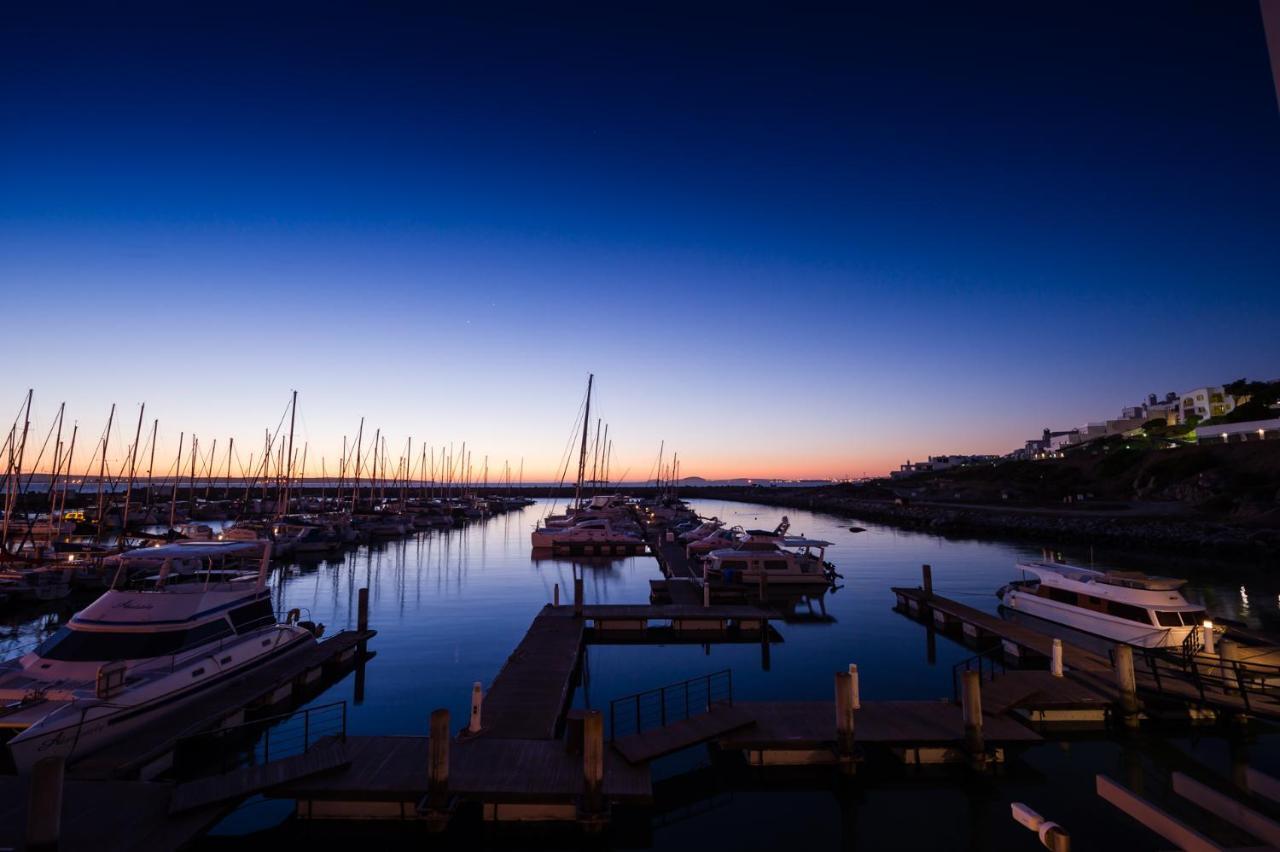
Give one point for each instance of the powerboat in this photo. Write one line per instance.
(721, 539)
(598, 531)
(1124, 606)
(701, 531)
(784, 559)
(145, 649)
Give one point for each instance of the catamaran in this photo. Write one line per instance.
(145, 649)
(1124, 606)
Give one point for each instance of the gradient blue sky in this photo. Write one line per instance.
(812, 243)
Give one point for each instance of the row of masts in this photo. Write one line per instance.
(364, 470)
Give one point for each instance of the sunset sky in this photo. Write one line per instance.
(789, 245)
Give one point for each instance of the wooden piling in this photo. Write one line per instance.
(706, 587)
(44, 804)
(362, 610)
(477, 699)
(844, 721)
(438, 761)
(1229, 656)
(556, 599)
(577, 597)
(1055, 661)
(593, 761)
(855, 687)
(926, 572)
(971, 705)
(1127, 684)
(764, 585)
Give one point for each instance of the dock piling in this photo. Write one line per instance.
(971, 705)
(926, 572)
(1127, 682)
(706, 587)
(44, 805)
(577, 597)
(593, 761)
(844, 721)
(1055, 662)
(438, 761)
(362, 610)
(556, 598)
(477, 699)
(1229, 657)
(764, 585)
(854, 686)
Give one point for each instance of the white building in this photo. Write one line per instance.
(1232, 433)
(1204, 403)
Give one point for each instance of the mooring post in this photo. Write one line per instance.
(1229, 655)
(362, 620)
(764, 585)
(844, 721)
(593, 761)
(477, 699)
(854, 686)
(438, 761)
(44, 804)
(1127, 682)
(706, 587)
(926, 572)
(577, 597)
(1055, 662)
(362, 610)
(971, 705)
(1207, 629)
(556, 599)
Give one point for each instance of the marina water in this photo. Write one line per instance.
(451, 605)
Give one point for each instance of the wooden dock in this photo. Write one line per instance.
(529, 696)
(1202, 686)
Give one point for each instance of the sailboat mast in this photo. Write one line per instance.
(582, 453)
(173, 495)
(288, 476)
(133, 466)
(102, 466)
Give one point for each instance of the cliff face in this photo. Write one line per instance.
(1216, 499)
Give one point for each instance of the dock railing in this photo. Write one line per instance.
(657, 708)
(987, 664)
(260, 741)
(1212, 673)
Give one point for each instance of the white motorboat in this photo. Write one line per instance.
(139, 653)
(793, 560)
(597, 532)
(1123, 606)
(721, 539)
(702, 530)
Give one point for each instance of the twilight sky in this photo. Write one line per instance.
(789, 243)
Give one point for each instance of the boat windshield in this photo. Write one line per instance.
(82, 646)
(1184, 618)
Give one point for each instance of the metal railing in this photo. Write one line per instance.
(987, 664)
(261, 741)
(657, 708)
(1209, 674)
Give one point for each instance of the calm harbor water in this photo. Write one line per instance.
(450, 606)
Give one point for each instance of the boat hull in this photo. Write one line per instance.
(1096, 623)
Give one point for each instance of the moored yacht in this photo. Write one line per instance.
(599, 531)
(139, 653)
(784, 559)
(1124, 606)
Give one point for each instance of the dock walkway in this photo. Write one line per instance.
(528, 698)
(1206, 685)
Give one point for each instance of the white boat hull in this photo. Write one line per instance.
(1097, 623)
